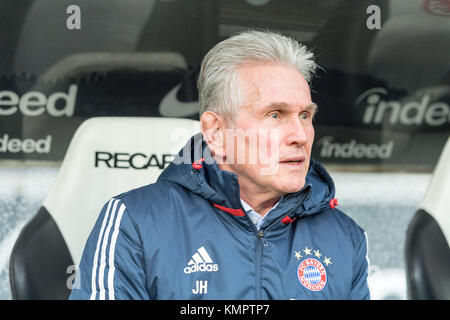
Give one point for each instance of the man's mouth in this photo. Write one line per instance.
(294, 161)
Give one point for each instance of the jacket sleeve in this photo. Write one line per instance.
(360, 287)
(112, 264)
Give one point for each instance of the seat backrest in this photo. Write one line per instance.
(107, 156)
(428, 237)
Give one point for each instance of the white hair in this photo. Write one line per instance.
(218, 81)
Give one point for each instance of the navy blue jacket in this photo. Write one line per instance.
(187, 237)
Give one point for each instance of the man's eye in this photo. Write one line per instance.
(305, 116)
(275, 115)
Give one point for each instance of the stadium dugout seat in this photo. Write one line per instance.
(130, 84)
(106, 82)
(428, 237)
(107, 156)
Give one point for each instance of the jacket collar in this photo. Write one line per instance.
(221, 187)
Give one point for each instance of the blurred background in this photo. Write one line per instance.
(383, 96)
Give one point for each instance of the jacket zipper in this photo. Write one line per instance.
(263, 243)
(259, 253)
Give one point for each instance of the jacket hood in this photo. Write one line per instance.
(221, 187)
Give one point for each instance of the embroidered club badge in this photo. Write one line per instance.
(312, 274)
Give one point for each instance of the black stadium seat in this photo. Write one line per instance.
(107, 156)
(427, 239)
(39, 261)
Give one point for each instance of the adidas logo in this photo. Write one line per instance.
(201, 262)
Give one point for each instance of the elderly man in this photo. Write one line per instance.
(243, 212)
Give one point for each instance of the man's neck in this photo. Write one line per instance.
(260, 200)
(259, 203)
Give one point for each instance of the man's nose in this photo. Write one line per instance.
(296, 133)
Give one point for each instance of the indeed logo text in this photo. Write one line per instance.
(35, 103)
(15, 145)
(352, 149)
(378, 109)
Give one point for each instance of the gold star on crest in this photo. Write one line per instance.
(317, 253)
(327, 261)
(298, 255)
(307, 251)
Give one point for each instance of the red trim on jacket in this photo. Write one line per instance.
(234, 212)
(333, 203)
(287, 220)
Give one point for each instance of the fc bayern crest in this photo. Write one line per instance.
(312, 274)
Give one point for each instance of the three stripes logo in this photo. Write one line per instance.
(103, 266)
(201, 262)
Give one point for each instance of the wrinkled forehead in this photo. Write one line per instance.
(267, 84)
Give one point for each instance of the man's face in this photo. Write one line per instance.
(276, 123)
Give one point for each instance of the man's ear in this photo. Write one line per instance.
(213, 130)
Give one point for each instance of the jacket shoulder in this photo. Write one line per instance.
(348, 225)
(150, 198)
